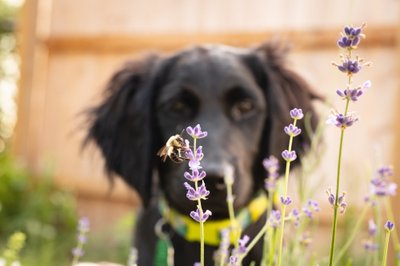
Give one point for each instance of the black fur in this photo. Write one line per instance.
(242, 97)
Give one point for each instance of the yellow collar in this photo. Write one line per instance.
(189, 229)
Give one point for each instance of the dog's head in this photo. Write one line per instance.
(242, 97)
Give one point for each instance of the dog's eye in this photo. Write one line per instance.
(242, 109)
(181, 108)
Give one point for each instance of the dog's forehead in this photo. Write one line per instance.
(220, 60)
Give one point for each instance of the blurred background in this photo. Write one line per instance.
(57, 55)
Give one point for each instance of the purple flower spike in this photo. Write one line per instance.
(341, 202)
(370, 246)
(289, 156)
(84, 225)
(372, 228)
(331, 197)
(389, 226)
(350, 66)
(292, 130)
(196, 132)
(275, 218)
(195, 194)
(242, 244)
(385, 171)
(382, 187)
(77, 252)
(200, 218)
(342, 121)
(233, 261)
(344, 42)
(296, 113)
(224, 244)
(351, 37)
(296, 217)
(286, 201)
(195, 176)
(271, 164)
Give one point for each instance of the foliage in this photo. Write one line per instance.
(33, 206)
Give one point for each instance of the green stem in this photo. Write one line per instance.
(352, 235)
(335, 207)
(236, 231)
(200, 212)
(272, 252)
(395, 237)
(267, 248)
(385, 248)
(283, 214)
(253, 242)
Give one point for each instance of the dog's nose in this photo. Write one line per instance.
(217, 174)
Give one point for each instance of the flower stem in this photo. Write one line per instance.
(200, 213)
(390, 215)
(236, 230)
(385, 248)
(283, 214)
(335, 207)
(352, 235)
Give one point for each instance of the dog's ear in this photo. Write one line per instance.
(122, 126)
(284, 90)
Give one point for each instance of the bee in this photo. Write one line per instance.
(174, 149)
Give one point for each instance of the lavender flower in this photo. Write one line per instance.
(312, 207)
(200, 217)
(385, 171)
(369, 245)
(195, 158)
(271, 165)
(389, 226)
(380, 185)
(285, 201)
(292, 130)
(233, 261)
(349, 66)
(77, 252)
(83, 229)
(289, 156)
(295, 216)
(372, 228)
(275, 218)
(341, 120)
(381, 188)
(341, 203)
(354, 94)
(223, 249)
(351, 37)
(195, 175)
(200, 193)
(296, 113)
(196, 132)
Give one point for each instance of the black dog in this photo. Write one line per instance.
(242, 97)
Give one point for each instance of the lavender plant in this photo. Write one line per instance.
(83, 229)
(288, 155)
(198, 192)
(388, 228)
(348, 42)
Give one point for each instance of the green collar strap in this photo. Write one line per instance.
(189, 229)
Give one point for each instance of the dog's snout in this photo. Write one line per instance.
(217, 174)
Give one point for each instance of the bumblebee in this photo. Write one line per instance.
(174, 149)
